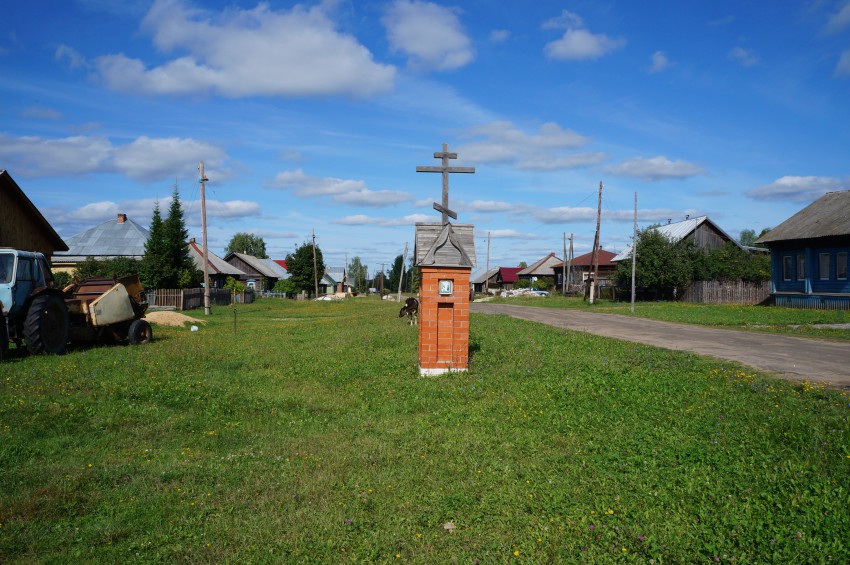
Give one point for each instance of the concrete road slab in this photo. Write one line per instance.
(788, 357)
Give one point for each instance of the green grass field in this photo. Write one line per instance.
(307, 435)
(787, 321)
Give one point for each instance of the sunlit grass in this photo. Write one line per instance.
(307, 435)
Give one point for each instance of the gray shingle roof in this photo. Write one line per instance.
(257, 264)
(105, 241)
(217, 265)
(274, 267)
(676, 232)
(828, 216)
(541, 267)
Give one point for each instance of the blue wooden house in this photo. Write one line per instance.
(808, 255)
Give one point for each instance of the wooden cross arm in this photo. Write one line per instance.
(445, 169)
(443, 210)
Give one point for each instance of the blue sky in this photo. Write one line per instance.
(314, 116)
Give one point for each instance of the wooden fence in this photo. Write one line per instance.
(735, 292)
(189, 298)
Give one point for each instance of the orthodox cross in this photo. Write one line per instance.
(445, 170)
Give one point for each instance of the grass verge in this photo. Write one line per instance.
(307, 435)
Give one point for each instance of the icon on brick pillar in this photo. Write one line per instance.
(446, 287)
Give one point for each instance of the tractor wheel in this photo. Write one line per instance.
(140, 332)
(46, 325)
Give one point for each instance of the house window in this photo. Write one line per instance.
(786, 268)
(801, 267)
(824, 267)
(841, 266)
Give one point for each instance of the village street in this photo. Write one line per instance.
(789, 357)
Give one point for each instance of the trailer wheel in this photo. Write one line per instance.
(46, 325)
(140, 332)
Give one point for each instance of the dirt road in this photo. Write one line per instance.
(789, 357)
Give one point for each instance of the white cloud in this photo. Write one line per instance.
(659, 62)
(502, 142)
(148, 159)
(236, 53)
(839, 20)
(486, 206)
(343, 191)
(578, 43)
(842, 69)
(798, 189)
(363, 220)
(70, 56)
(36, 156)
(228, 210)
(499, 35)
(430, 35)
(745, 57)
(144, 159)
(655, 168)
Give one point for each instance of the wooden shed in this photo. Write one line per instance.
(21, 224)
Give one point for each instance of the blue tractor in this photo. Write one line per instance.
(32, 310)
(45, 318)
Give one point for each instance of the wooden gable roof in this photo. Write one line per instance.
(828, 216)
(11, 232)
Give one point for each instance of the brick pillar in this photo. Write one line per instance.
(443, 320)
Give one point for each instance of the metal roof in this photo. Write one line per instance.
(481, 276)
(275, 266)
(120, 237)
(541, 267)
(676, 232)
(605, 259)
(255, 263)
(828, 216)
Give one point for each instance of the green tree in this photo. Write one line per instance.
(300, 267)
(748, 238)
(413, 278)
(357, 273)
(155, 269)
(247, 243)
(285, 286)
(397, 272)
(664, 266)
(183, 272)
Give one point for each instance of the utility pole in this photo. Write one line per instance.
(401, 278)
(487, 270)
(315, 272)
(201, 180)
(382, 280)
(570, 263)
(564, 269)
(595, 256)
(634, 258)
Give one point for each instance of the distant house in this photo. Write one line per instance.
(541, 269)
(808, 255)
(580, 268)
(336, 280)
(257, 274)
(219, 269)
(118, 238)
(21, 224)
(704, 233)
(484, 279)
(507, 277)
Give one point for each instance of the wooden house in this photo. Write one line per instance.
(541, 269)
(484, 281)
(704, 233)
(580, 268)
(507, 277)
(21, 224)
(808, 255)
(218, 268)
(257, 274)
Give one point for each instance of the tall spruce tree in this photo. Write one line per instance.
(154, 271)
(183, 272)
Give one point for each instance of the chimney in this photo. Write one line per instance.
(122, 218)
(687, 216)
